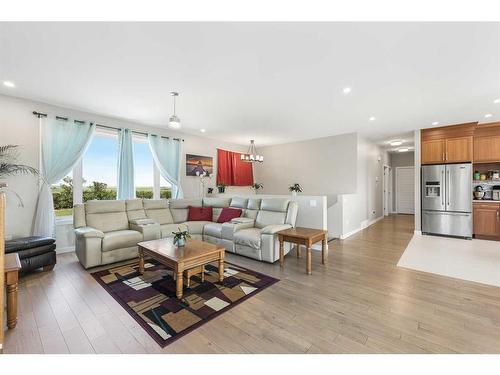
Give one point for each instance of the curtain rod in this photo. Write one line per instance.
(39, 115)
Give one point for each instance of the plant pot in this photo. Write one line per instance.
(221, 189)
(180, 242)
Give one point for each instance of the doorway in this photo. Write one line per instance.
(405, 190)
(387, 190)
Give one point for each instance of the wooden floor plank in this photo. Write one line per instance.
(359, 302)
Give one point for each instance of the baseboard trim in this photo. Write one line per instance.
(364, 224)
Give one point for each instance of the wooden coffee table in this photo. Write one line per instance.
(306, 237)
(192, 256)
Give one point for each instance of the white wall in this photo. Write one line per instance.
(346, 168)
(19, 126)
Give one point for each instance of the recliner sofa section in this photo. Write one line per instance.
(108, 231)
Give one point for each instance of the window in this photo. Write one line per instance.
(143, 168)
(99, 168)
(165, 188)
(62, 194)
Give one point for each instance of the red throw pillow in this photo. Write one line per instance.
(200, 213)
(228, 214)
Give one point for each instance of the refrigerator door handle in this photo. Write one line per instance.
(442, 187)
(448, 188)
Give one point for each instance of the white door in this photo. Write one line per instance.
(387, 190)
(405, 190)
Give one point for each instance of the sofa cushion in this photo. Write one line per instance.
(274, 204)
(104, 206)
(228, 214)
(216, 202)
(239, 202)
(120, 239)
(196, 227)
(135, 209)
(108, 221)
(167, 229)
(213, 229)
(179, 208)
(160, 215)
(265, 218)
(153, 204)
(199, 213)
(253, 204)
(248, 237)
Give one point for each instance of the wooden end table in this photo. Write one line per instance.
(306, 237)
(12, 267)
(192, 258)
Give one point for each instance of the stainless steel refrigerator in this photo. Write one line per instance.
(447, 200)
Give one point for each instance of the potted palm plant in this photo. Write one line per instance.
(9, 154)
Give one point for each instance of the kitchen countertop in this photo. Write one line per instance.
(485, 201)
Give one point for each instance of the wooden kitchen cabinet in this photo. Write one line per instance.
(448, 144)
(487, 143)
(433, 151)
(486, 219)
(458, 150)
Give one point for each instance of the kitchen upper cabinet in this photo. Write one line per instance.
(433, 151)
(486, 219)
(458, 149)
(448, 144)
(487, 143)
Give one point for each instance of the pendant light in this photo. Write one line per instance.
(252, 155)
(174, 121)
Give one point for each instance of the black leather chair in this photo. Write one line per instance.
(34, 252)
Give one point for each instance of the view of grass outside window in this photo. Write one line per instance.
(62, 194)
(100, 174)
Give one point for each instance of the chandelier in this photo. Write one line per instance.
(174, 121)
(252, 155)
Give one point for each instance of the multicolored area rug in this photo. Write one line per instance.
(150, 298)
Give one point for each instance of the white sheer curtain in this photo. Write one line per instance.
(63, 142)
(167, 154)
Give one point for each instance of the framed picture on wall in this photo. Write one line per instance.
(197, 165)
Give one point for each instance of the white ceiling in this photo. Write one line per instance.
(275, 82)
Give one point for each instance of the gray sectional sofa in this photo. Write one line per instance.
(108, 231)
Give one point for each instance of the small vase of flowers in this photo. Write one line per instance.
(257, 186)
(221, 187)
(295, 188)
(180, 237)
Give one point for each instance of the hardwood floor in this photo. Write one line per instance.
(359, 302)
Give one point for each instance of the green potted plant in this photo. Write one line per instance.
(9, 167)
(295, 188)
(221, 186)
(180, 237)
(257, 186)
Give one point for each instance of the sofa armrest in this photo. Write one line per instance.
(141, 222)
(274, 228)
(88, 232)
(149, 231)
(228, 229)
(243, 220)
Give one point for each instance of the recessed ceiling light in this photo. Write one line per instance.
(402, 150)
(9, 84)
(396, 143)
(346, 90)
(496, 101)
(372, 118)
(435, 123)
(488, 115)
(202, 130)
